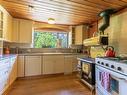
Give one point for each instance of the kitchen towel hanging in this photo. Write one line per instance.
(105, 80)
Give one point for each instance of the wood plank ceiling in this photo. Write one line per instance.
(69, 12)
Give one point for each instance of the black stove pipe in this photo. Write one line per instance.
(106, 18)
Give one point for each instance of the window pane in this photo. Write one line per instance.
(63, 37)
(49, 39)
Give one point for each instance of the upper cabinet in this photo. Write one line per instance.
(22, 31)
(5, 24)
(78, 34)
(81, 33)
(25, 31)
(1, 24)
(15, 30)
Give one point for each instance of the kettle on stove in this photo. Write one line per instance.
(110, 51)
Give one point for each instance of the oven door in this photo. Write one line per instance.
(86, 71)
(86, 68)
(115, 85)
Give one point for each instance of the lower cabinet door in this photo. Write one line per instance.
(48, 64)
(21, 61)
(59, 64)
(53, 64)
(68, 66)
(32, 65)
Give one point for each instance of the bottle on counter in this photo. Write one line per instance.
(7, 50)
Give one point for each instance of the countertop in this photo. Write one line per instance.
(5, 56)
(25, 54)
(39, 54)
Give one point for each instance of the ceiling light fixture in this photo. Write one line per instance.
(51, 21)
(31, 8)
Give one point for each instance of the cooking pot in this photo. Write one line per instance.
(110, 51)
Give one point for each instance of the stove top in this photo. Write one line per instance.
(117, 59)
(117, 64)
(88, 59)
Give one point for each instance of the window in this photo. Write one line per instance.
(50, 39)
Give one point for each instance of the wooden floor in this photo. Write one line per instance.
(53, 85)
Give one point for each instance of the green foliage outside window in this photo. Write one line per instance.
(49, 39)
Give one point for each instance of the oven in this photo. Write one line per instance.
(110, 82)
(88, 71)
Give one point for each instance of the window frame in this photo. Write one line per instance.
(67, 33)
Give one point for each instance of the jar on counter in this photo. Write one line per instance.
(7, 50)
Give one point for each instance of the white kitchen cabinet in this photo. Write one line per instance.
(59, 64)
(53, 64)
(81, 33)
(68, 66)
(5, 24)
(48, 64)
(78, 34)
(15, 32)
(25, 31)
(20, 63)
(22, 31)
(33, 65)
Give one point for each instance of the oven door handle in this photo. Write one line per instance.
(118, 78)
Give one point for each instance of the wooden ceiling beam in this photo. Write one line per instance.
(52, 13)
(9, 7)
(103, 2)
(116, 2)
(62, 23)
(68, 4)
(125, 1)
(51, 6)
(55, 4)
(64, 11)
(48, 15)
(43, 9)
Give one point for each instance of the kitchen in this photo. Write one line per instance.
(67, 47)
